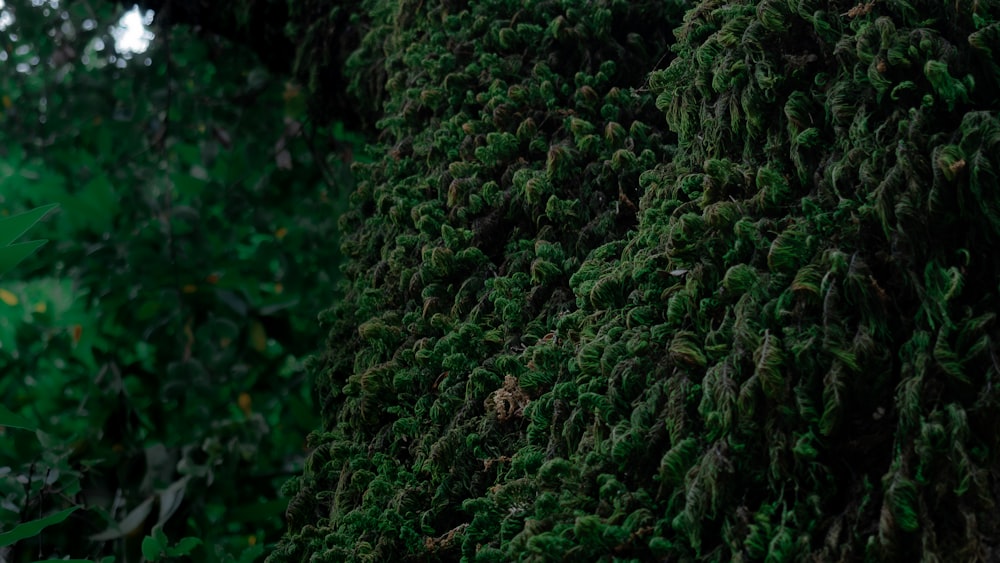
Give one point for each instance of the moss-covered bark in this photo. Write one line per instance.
(740, 308)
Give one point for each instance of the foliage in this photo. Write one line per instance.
(568, 333)
(158, 342)
(511, 148)
(11, 229)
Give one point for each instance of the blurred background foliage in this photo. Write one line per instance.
(157, 342)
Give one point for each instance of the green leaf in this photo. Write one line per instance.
(8, 418)
(34, 527)
(183, 547)
(100, 197)
(13, 227)
(160, 536)
(152, 549)
(11, 255)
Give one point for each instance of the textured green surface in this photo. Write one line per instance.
(739, 308)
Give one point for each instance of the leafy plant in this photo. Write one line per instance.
(34, 527)
(161, 340)
(11, 228)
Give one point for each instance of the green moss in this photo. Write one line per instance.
(568, 333)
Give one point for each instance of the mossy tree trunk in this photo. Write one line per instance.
(660, 281)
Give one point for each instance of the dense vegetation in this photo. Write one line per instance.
(741, 307)
(624, 280)
(157, 340)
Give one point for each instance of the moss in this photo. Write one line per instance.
(740, 307)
